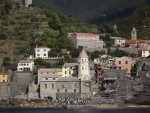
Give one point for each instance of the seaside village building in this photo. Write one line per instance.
(40, 52)
(144, 53)
(72, 81)
(25, 66)
(118, 41)
(126, 63)
(3, 77)
(86, 40)
(70, 70)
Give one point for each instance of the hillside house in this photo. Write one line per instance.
(118, 41)
(41, 52)
(3, 77)
(70, 70)
(86, 40)
(126, 63)
(25, 65)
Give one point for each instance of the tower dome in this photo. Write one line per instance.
(83, 54)
(83, 66)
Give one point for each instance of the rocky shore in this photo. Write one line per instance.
(38, 103)
(13, 103)
(106, 106)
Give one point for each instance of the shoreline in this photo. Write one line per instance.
(80, 107)
(108, 107)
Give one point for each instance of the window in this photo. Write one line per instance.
(65, 72)
(38, 50)
(126, 62)
(46, 78)
(44, 54)
(74, 90)
(69, 72)
(44, 49)
(65, 90)
(53, 78)
(45, 86)
(58, 90)
(82, 68)
(119, 62)
(38, 54)
(3, 75)
(52, 86)
(3, 80)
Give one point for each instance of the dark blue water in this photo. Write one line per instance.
(19, 110)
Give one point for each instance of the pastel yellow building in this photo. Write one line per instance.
(70, 70)
(3, 77)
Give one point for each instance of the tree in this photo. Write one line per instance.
(53, 53)
(6, 61)
(94, 54)
(120, 53)
(8, 6)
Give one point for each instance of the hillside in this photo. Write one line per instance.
(140, 19)
(22, 29)
(93, 11)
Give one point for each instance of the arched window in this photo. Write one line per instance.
(82, 68)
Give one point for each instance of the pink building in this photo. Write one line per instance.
(125, 63)
(86, 40)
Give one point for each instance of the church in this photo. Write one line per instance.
(80, 69)
(73, 81)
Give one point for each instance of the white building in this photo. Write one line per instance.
(25, 65)
(145, 53)
(83, 68)
(28, 2)
(41, 52)
(70, 70)
(133, 34)
(118, 41)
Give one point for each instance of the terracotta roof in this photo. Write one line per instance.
(137, 41)
(141, 41)
(87, 34)
(3, 73)
(130, 41)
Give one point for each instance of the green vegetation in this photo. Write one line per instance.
(140, 19)
(31, 27)
(95, 11)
